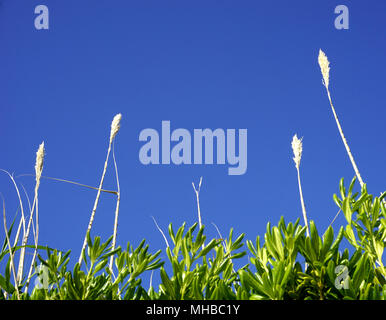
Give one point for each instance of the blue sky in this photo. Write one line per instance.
(199, 64)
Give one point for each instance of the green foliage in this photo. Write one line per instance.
(200, 271)
(283, 264)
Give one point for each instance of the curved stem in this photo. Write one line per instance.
(116, 212)
(344, 140)
(302, 203)
(95, 205)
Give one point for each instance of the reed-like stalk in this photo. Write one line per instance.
(71, 182)
(220, 236)
(297, 148)
(116, 212)
(336, 216)
(160, 230)
(197, 192)
(38, 174)
(22, 219)
(325, 69)
(115, 126)
(11, 255)
(16, 239)
(36, 238)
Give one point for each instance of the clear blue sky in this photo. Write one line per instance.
(200, 64)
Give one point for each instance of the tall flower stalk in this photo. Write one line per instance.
(116, 212)
(115, 126)
(325, 69)
(38, 173)
(297, 148)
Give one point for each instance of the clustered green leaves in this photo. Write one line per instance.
(284, 264)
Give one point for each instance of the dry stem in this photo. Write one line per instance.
(325, 70)
(116, 211)
(197, 192)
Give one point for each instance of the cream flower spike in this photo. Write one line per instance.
(324, 67)
(297, 148)
(39, 162)
(115, 126)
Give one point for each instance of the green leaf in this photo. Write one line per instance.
(208, 247)
(167, 283)
(338, 239)
(109, 254)
(328, 238)
(347, 209)
(349, 233)
(6, 285)
(351, 187)
(278, 242)
(309, 251)
(238, 255)
(5, 242)
(89, 241)
(237, 243)
(171, 233)
(251, 247)
(100, 266)
(185, 254)
(359, 273)
(342, 189)
(199, 238)
(314, 238)
(379, 247)
(337, 200)
(179, 235)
